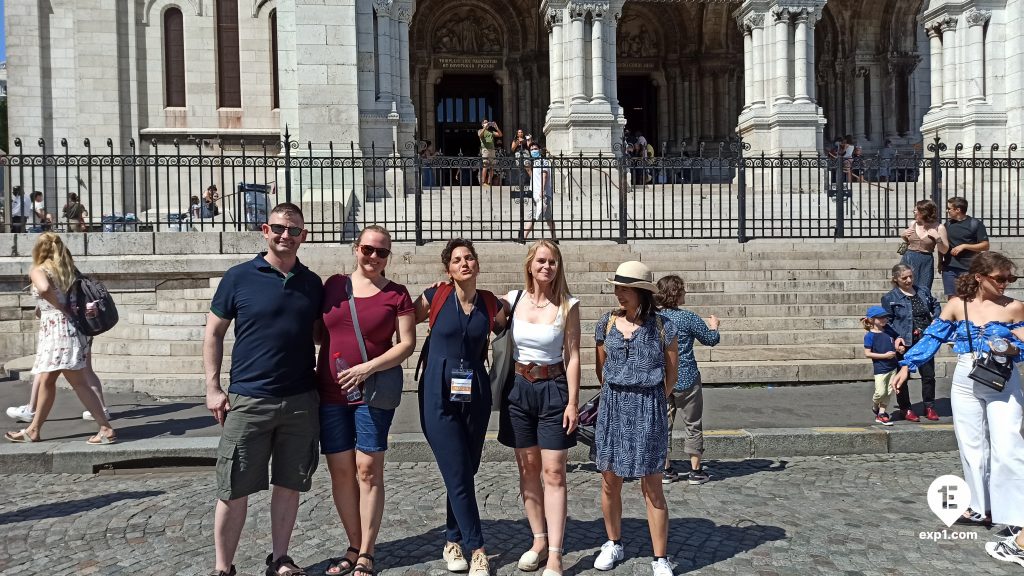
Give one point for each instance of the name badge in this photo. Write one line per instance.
(462, 384)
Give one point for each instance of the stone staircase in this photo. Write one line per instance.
(790, 311)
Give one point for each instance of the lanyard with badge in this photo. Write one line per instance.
(462, 377)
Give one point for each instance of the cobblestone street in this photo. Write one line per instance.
(824, 515)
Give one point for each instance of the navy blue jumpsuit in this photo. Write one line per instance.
(455, 430)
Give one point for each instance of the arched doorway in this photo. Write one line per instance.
(463, 102)
(468, 54)
(867, 58)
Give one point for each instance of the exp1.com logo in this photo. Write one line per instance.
(948, 497)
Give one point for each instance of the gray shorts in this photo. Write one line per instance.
(280, 433)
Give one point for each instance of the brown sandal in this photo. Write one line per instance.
(291, 568)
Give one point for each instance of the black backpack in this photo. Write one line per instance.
(83, 291)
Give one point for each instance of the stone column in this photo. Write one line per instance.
(800, 46)
(383, 40)
(876, 117)
(556, 82)
(976, 20)
(756, 24)
(858, 104)
(687, 102)
(404, 18)
(782, 94)
(612, 92)
(597, 57)
(748, 66)
(579, 94)
(949, 77)
(935, 48)
(708, 104)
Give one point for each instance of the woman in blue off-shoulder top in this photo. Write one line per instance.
(987, 423)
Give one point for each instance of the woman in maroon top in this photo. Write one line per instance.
(354, 435)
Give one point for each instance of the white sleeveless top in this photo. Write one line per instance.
(539, 343)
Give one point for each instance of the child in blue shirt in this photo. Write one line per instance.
(881, 349)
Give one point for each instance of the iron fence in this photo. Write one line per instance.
(727, 194)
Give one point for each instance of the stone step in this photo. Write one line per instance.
(150, 318)
(130, 331)
(177, 384)
(176, 348)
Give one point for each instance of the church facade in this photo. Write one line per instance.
(787, 75)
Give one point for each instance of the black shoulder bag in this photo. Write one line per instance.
(986, 369)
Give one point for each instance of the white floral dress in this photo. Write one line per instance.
(60, 345)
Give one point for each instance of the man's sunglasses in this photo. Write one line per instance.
(367, 250)
(280, 229)
(1002, 279)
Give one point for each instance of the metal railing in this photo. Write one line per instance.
(730, 194)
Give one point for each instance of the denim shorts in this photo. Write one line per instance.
(345, 426)
(535, 412)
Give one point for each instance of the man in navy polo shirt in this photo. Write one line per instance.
(270, 413)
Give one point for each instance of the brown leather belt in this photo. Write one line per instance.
(534, 372)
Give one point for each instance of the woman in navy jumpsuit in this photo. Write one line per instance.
(455, 430)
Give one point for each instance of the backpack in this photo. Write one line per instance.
(84, 291)
(440, 296)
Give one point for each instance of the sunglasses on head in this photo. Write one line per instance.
(281, 228)
(367, 250)
(1002, 279)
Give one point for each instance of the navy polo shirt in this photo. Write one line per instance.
(274, 314)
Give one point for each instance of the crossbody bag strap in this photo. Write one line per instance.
(355, 318)
(967, 325)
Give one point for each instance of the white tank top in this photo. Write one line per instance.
(539, 343)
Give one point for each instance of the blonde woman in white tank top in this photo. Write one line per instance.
(539, 419)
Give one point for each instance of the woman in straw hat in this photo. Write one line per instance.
(637, 360)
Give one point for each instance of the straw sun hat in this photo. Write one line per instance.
(634, 274)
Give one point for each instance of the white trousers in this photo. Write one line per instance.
(988, 432)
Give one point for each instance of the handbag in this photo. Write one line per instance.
(501, 372)
(902, 248)
(588, 420)
(382, 390)
(986, 369)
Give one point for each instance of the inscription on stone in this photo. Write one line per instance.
(468, 63)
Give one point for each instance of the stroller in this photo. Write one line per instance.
(588, 423)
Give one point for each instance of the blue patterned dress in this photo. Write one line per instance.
(631, 439)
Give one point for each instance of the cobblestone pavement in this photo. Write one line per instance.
(801, 516)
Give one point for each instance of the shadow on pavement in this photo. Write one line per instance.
(694, 543)
(62, 509)
(717, 469)
(158, 428)
(149, 411)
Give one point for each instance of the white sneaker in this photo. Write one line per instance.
(611, 554)
(661, 567)
(481, 565)
(21, 413)
(452, 555)
(1006, 550)
(88, 415)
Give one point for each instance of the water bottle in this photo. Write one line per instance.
(999, 347)
(354, 394)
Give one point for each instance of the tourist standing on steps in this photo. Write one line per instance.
(637, 360)
(455, 395)
(967, 238)
(923, 235)
(543, 404)
(270, 412)
(687, 395)
(543, 192)
(487, 133)
(60, 348)
(912, 309)
(353, 434)
(987, 423)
